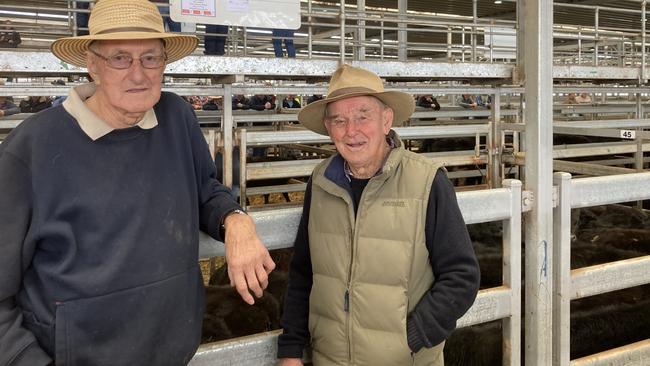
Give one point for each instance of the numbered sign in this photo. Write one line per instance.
(279, 14)
(628, 134)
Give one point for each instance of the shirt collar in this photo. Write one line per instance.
(91, 124)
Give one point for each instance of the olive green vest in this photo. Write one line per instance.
(370, 273)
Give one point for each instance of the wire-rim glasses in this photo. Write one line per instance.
(123, 61)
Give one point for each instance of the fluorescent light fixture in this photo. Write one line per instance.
(497, 1)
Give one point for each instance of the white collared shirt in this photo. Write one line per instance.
(92, 124)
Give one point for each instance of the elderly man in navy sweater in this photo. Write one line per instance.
(102, 201)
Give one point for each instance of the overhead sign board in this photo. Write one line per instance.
(279, 14)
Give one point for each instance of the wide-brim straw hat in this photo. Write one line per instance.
(349, 81)
(123, 20)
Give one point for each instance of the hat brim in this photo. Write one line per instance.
(73, 49)
(402, 104)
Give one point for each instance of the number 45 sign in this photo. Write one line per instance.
(628, 134)
(280, 14)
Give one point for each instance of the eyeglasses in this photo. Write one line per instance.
(340, 123)
(123, 61)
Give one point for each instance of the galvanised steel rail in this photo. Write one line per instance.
(499, 303)
(588, 281)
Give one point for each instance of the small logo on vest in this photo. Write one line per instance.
(394, 204)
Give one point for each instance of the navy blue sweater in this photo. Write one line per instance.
(99, 241)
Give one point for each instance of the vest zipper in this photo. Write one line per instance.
(346, 300)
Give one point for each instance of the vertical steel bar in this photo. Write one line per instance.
(361, 7)
(638, 155)
(474, 21)
(227, 132)
(579, 45)
(243, 146)
(562, 271)
(538, 170)
(381, 41)
(462, 42)
(643, 35)
(402, 37)
(491, 30)
(342, 26)
(512, 275)
(309, 30)
(449, 41)
(495, 142)
(521, 48)
(245, 40)
(596, 17)
(72, 17)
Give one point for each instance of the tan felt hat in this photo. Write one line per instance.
(349, 81)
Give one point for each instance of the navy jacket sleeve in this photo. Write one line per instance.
(18, 346)
(454, 266)
(294, 322)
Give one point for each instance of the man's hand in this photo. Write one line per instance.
(290, 362)
(249, 262)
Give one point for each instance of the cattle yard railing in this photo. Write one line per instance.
(297, 168)
(588, 281)
(497, 303)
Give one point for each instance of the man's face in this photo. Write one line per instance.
(358, 127)
(131, 90)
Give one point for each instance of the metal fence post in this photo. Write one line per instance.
(562, 270)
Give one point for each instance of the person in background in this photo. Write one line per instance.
(9, 38)
(287, 36)
(428, 101)
(212, 104)
(35, 104)
(290, 101)
(570, 99)
(172, 26)
(197, 102)
(467, 101)
(583, 98)
(240, 101)
(59, 99)
(7, 107)
(261, 102)
(314, 98)
(215, 39)
(383, 265)
(103, 199)
(484, 102)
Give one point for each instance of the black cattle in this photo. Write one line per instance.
(600, 234)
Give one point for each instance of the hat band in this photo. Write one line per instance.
(130, 29)
(352, 90)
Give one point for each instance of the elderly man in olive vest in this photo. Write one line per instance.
(383, 264)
